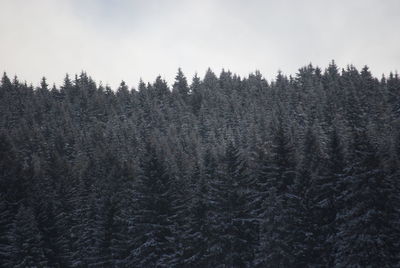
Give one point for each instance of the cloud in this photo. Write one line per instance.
(129, 40)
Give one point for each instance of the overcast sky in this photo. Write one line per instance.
(128, 40)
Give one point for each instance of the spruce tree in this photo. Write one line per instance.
(277, 217)
(197, 231)
(321, 192)
(27, 244)
(232, 222)
(153, 212)
(180, 85)
(6, 224)
(306, 226)
(326, 199)
(365, 227)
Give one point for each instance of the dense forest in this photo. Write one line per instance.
(220, 171)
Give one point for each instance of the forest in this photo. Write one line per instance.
(218, 171)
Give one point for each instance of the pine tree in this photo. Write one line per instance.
(276, 247)
(304, 235)
(74, 162)
(83, 229)
(197, 233)
(153, 213)
(13, 191)
(6, 224)
(27, 246)
(233, 224)
(365, 227)
(326, 199)
(181, 85)
(196, 95)
(123, 240)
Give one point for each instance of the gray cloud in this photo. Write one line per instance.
(129, 40)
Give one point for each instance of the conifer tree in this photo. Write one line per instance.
(81, 182)
(232, 219)
(196, 95)
(365, 228)
(6, 224)
(326, 199)
(197, 232)
(276, 246)
(304, 235)
(152, 219)
(180, 85)
(27, 245)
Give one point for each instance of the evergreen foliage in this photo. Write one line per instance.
(222, 171)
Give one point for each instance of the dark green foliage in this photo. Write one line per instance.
(367, 232)
(181, 85)
(153, 213)
(197, 228)
(6, 219)
(27, 243)
(326, 199)
(225, 171)
(278, 227)
(233, 225)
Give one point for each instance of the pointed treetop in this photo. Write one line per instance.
(210, 80)
(141, 86)
(15, 80)
(123, 87)
(43, 83)
(181, 84)
(5, 81)
(195, 79)
(209, 74)
(161, 86)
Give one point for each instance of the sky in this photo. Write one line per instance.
(119, 40)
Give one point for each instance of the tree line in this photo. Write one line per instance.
(224, 171)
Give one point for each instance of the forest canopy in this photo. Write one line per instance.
(219, 171)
